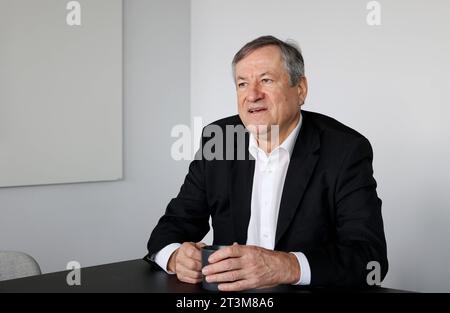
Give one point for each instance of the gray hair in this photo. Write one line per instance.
(290, 52)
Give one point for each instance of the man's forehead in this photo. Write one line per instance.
(263, 60)
(264, 54)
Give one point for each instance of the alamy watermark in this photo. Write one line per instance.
(73, 17)
(215, 142)
(73, 278)
(374, 16)
(374, 276)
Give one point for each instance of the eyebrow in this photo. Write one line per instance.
(261, 75)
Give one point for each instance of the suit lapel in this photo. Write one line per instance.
(301, 166)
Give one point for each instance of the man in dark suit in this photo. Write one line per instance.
(300, 206)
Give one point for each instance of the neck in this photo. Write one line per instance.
(275, 136)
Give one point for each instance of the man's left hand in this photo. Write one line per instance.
(241, 267)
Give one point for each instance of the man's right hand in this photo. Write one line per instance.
(186, 262)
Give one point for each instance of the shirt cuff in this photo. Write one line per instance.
(162, 256)
(305, 270)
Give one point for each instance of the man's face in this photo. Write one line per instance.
(265, 96)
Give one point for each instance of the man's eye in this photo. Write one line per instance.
(267, 81)
(242, 85)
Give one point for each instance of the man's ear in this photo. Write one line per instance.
(302, 88)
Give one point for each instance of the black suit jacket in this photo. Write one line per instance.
(329, 208)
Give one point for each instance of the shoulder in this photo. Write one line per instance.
(233, 120)
(330, 128)
(335, 137)
(222, 127)
(329, 125)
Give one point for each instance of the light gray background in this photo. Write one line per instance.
(390, 83)
(60, 92)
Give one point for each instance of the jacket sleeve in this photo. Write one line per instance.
(359, 234)
(187, 216)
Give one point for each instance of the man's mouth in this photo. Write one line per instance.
(257, 110)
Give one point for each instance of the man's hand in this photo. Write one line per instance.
(186, 262)
(240, 267)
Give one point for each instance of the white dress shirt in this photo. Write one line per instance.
(268, 181)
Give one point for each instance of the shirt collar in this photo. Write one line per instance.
(287, 145)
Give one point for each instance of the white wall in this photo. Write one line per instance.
(388, 82)
(96, 223)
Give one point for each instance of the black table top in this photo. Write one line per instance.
(135, 276)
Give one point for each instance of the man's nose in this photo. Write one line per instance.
(254, 93)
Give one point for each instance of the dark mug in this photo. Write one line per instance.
(206, 252)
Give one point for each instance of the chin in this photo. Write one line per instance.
(257, 120)
(258, 129)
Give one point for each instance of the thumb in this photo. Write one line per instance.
(200, 244)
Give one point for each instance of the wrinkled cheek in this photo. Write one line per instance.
(241, 106)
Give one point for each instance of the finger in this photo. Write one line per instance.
(192, 252)
(222, 266)
(191, 264)
(233, 251)
(266, 286)
(189, 273)
(237, 285)
(189, 280)
(200, 245)
(230, 276)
